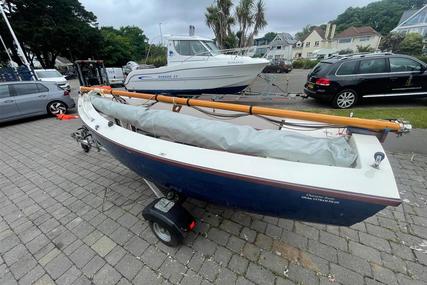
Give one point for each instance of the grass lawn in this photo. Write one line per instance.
(416, 116)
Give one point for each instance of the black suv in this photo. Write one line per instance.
(344, 80)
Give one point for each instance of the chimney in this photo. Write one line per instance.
(333, 31)
(192, 30)
(328, 29)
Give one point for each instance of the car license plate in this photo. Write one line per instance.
(310, 86)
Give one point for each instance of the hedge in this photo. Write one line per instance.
(304, 63)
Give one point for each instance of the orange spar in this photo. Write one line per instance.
(375, 125)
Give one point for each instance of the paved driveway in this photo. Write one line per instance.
(55, 227)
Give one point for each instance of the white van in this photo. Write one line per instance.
(115, 75)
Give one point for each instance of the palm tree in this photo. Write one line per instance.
(259, 21)
(250, 16)
(218, 18)
(244, 18)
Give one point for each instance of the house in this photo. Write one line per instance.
(413, 21)
(352, 37)
(261, 42)
(315, 42)
(323, 43)
(259, 48)
(281, 47)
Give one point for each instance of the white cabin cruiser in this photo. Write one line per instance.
(195, 66)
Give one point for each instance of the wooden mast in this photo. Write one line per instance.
(376, 125)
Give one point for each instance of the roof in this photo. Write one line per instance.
(319, 30)
(352, 32)
(406, 14)
(283, 39)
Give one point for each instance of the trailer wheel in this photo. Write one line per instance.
(165, 234)
(85, 147)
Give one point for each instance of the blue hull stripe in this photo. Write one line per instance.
(235, 192)
(224, 90)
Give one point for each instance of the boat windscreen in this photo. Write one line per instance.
(190, 48)
(212, 47)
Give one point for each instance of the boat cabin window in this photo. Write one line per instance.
(190, 48)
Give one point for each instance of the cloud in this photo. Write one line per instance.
(176, 15)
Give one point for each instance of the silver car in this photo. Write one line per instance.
(26, 99)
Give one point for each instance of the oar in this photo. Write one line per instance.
(376, 125)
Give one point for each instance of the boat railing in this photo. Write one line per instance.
(232, 51)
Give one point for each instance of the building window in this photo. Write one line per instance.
(307, 44)
(279, 47)
(364, 39)
(316, 43)
(344, 41)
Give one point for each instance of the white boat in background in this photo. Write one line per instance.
(195, 66)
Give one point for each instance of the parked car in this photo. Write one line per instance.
(21, 99)
(53, 75)
(344, 81)
(115, 75)
(278, 66)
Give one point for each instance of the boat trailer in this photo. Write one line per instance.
(169, 220)
(270, 94)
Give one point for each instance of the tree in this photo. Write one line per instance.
(156, 55)
(138, 41)
(250, 16)
(391, 42)
(366, 48)
(117, 49)
(412, 44)
(218, 18)
(270, 36)
(48, 28)
(259, 21)
(383, 15)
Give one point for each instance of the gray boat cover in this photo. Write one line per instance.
(229, 137)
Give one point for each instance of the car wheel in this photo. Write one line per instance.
(56, 108)
(345, 99)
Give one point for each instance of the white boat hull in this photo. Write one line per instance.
(209, 76)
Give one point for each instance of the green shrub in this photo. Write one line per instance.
(303, 63)
(422, 58)
(412, 44)
(157, 61)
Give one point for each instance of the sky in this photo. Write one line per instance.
(174, 16)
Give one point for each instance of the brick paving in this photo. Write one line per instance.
(55, 228)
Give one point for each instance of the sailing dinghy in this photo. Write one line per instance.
(310, 167)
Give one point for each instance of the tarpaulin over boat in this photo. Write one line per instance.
(229, 137)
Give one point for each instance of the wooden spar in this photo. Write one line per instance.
(376, 125)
